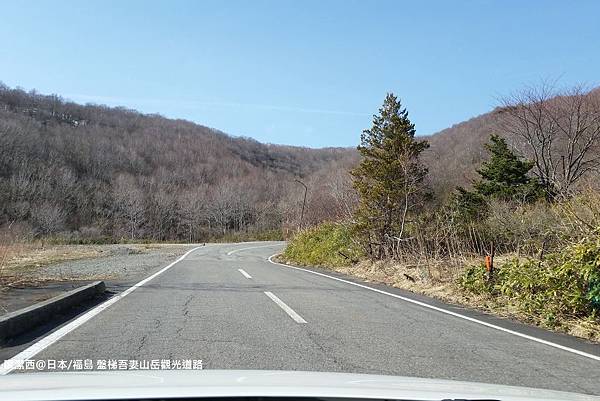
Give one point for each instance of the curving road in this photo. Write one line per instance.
(227, 305)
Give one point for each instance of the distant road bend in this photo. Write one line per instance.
(228, 305)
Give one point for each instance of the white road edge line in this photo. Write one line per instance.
(448, 312)
(244, 273)
(47, 341)
(286, 308)
(250, 247)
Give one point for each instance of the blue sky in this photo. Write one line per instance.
(299, 72)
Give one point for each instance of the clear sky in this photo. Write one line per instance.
(297, 72)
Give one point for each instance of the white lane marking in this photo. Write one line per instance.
(244, 273)
(250, 247)
(448, 312)
(47, 341)
(286, 308)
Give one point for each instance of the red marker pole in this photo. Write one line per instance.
(489, 263)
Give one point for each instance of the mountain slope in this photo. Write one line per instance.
(115, 172)
(457, 152)
(94, 171)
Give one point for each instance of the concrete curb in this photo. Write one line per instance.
(25, 319)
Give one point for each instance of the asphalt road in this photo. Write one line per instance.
(266, 316)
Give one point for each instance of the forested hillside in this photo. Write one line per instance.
(91, 172)
(456, 152)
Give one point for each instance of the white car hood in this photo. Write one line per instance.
(238, 383)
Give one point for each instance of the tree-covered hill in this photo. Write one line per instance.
(98, 171)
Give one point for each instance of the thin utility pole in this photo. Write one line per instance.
(303, 202)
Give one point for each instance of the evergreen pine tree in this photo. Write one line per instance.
(504, 176)
(389, 179)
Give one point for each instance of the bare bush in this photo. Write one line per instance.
(49, 218)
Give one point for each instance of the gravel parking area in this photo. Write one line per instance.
(118, 265)
(121, 263)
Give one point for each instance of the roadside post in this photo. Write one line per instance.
(489, 263)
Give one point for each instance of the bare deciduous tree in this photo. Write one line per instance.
(48, 217)
(345, 196)
(193, 211)
(129, 201)
(558, 130)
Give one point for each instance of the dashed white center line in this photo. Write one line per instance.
(244, 273)
(286, 308)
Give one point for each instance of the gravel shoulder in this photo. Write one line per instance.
(39, 274)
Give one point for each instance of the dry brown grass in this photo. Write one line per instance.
(32, 256)
(434, 278)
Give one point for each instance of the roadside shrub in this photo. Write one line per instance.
(90, 232)
(579, 215)
(474, 279)
(561, 285)
(529, 228)
(522, 228)
(328, 244)
(564, 283)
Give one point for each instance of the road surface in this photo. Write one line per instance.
(227, 305)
